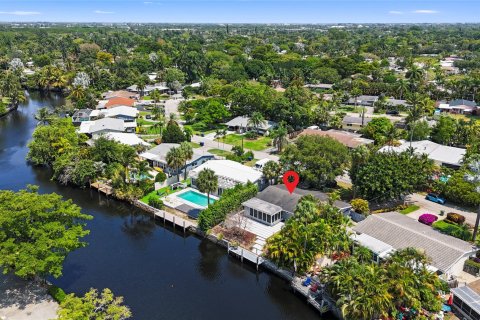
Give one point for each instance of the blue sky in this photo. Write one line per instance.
(248, 11)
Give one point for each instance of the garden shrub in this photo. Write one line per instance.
(473, 263)
(57, 293)
(160, 177)
(427, 219)
(455, 218)
(230, 201)
(155, 202)
(360, 206)
(251, 135)
(460, 232)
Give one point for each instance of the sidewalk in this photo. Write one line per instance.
(210, 144)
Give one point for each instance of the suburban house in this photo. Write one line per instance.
(466, 300)
(122, 137)
(241, 124)
(105, 125)
(161, 87)
(120, 94)
(83, 115)
(366, 101)
(348, 139)
(230, 173)
(396, 102)
(354, 123)
(390, 231)
(319, 86)
(275, 204)
(442, 155)
(157, 157)
(127, 114)
(458, 106)
(116, 102)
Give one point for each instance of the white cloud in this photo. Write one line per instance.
(425, 11)
(103, 12)
(395, 12)
(148, 2)
(20, 13)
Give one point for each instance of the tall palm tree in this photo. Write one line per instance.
(271, 171)
(141, 86)
(175, 160)
(207, 182)
(415, 111)
(401, 87)
(415, 75)
(279, 136)
(256, 120)
(155, 96)
(187, 151)
(43, 116)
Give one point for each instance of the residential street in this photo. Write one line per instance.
(427, 206)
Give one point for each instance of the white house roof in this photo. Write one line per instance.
(400, 232)
(243, 123)
(120, 111)
(229, 170)
(159, 153)
(130, 139)
(380, 248)
(105, 124)
(434, 151)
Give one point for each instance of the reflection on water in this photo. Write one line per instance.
(162, 273)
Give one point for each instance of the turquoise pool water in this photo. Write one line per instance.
(196, 198)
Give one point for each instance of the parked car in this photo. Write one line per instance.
(435, 198)
(392, 112)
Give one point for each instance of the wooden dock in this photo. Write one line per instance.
(174, 219)
(246, 254)
(102, 187)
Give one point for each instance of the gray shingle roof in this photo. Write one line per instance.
(402, 232)
(159, 153)
(279, 196)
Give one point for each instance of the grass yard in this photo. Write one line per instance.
(258, 144)
(194, 145)
(465, 117)
(251, 163)
(452, 229)
(142, 122)
(409, 209)
(162, 192)
(219, 152)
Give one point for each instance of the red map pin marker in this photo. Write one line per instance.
(291, 179)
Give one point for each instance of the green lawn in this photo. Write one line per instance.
(163, 191)
(258, 144)
(409, 209)
(452, 229)
(251, 163)
(142, 122)
(194, 144)
(219, 152)
(199, 132)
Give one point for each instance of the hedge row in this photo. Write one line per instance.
(454, 230)
(230, 201)
(57, 293)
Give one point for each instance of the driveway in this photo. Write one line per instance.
(435, 208)
(25, 300)
(171, 106)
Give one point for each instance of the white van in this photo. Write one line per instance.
(261, 163)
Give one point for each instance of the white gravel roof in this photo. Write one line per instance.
(229, 170)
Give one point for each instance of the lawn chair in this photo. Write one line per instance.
(307, 282)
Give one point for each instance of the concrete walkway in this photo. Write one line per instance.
(25, 300)
(210, 144)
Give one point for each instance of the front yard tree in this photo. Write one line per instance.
(187, 152)
(94, 306)
(207, 182)
(173, 133)
(271, 171)
(388, 176)
(175, 160)
(318, 160)
(37, 232)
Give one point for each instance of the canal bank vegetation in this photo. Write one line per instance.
(58, 146)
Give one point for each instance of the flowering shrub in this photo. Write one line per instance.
(455, 218)
(427, 219)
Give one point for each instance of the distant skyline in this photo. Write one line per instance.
(242, 11)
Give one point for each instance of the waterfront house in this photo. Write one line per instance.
(466, 300)
(83, 115)
(127, 114)
(395, 231)
(122, 137)
(157, 157)
(348, 139)
(105, 125)
(229, 173)
(242, 124)
(363, 100)
(354, 124)
(442, 155)
(275, 203)
(161, 87)
(120, 94)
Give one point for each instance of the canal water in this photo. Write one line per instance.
(162, 274)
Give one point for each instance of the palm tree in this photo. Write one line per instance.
(392, 135)
(43, 116)
(207, 182)
(77, 93)
(279, 136)
(187, 151)
(175, 160)
(401, 87)
(188, 132)
(414, 75)
(415, 111)
(256, 120)
(271, 171)
(155, 95)
(141, 86)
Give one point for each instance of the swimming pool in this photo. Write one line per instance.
(196, 197)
